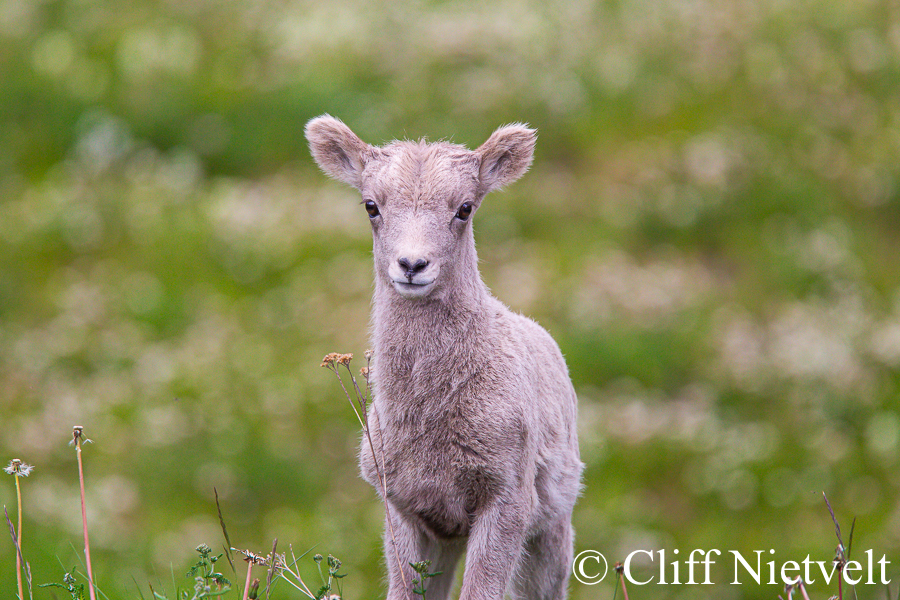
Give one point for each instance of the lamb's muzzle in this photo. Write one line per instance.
(412, 268)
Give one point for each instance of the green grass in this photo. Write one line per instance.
(709, 231)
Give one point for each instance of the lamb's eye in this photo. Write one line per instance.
(372, 209)
(464, 211)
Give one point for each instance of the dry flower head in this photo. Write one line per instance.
(18, 468)
(78, 434)
(334, 357)
(259, 559)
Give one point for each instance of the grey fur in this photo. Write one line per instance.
(474, 410)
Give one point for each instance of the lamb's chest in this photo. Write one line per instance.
(441, 483)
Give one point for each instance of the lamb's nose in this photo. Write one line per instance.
(411, 268)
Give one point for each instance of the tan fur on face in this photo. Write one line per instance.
(422, 174)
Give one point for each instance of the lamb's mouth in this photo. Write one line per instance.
(412, 289)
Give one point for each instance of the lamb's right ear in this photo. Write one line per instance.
(337, 150)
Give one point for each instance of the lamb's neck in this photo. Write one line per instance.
(428, 324)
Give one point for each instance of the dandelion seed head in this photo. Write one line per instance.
(18, 468)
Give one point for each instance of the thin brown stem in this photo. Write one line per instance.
(359, 418)
(382, 479)
(19, 540)
(359, 395)
(624, 589)
(247, 583)
(87, 545)
(15, 539)
(272, 567)
(368, 366)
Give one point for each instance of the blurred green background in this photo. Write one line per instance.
(710, 231)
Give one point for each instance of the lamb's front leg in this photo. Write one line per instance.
(495, 548)
(414, 545)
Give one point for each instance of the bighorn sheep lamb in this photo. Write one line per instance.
(473, 407)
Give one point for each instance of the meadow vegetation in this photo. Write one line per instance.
(710, 231)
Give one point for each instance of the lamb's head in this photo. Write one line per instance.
(420, 199)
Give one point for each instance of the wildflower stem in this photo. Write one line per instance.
(382, 478)
(87, 547)
(19, 541)
(347, 394)
(331, 362)
(271, 572)
(296, 576)
(621, 576)
(247, 583)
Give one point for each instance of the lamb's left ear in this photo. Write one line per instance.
(506, 155)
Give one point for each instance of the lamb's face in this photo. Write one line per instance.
(420, 199)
